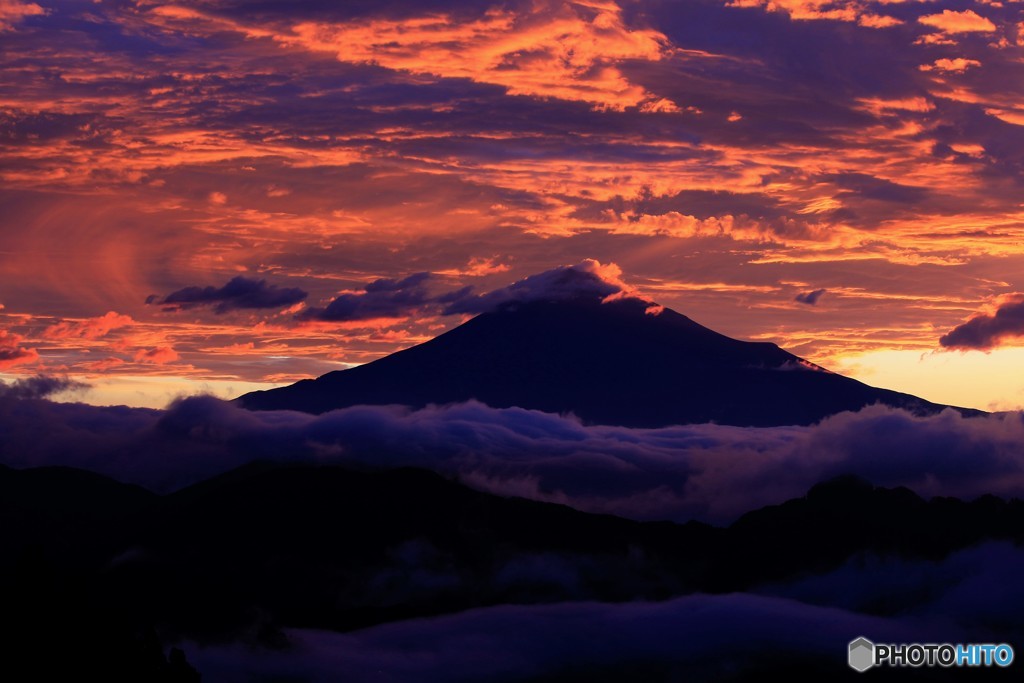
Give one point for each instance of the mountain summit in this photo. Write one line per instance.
(616, 361)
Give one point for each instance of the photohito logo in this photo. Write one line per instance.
(863, 654)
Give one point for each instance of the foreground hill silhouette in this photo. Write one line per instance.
(104, 577)
(267, 546)
(614, 363)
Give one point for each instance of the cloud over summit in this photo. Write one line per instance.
(419, 294)
(588, 279)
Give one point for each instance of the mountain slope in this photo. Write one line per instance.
(607, 363)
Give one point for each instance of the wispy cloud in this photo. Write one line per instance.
(709, 472)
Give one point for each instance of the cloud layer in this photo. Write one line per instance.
(707, 472)
(696, 638)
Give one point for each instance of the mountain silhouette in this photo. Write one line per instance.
(614, 362)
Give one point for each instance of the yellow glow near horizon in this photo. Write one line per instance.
(153, 391)
(992, 380)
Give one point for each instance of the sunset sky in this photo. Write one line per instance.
(222, 195)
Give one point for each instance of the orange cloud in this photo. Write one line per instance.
(477, 267)
(879, 106)
(878, 21)
(803, 9)
(833, 10)
(950, 21)
(89, 328)
(1016, 117)
(11, 351)
(559, 50)
(957, 65)
(13, 11)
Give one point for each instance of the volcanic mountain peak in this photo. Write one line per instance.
(608, 358)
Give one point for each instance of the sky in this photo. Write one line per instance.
(222, 195)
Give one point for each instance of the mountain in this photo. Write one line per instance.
(615, 363)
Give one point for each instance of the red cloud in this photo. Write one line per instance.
(158, 356)
(89, 328)
(12, 353)
(558, 50)
(13, 11)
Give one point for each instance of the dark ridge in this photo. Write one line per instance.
(265, 547)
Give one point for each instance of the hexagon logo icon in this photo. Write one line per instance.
(862, 654)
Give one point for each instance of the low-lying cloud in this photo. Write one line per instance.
(692, 638)
(709, 472)
(979, 585)
(970, 596)
(39, 387)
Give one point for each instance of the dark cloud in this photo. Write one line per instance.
(392, 298)
(710, 472)
(43, 126)
(40, 386)
(810, 298)
(11, 355)
(12, 352)
(870, 187)
(987, 330)
(384, 298)
(976, 584)
(239, 293)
